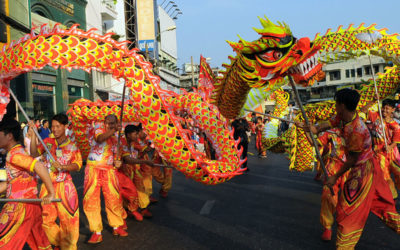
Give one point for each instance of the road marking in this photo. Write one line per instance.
(206, 209)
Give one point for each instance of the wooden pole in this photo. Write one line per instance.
(27, 200)
(296, 94)
(34, 129)
(193, 84)
(272, 116)
(120, 120)
(377, 98)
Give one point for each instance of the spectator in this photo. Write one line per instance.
(241, 126)
(44, 132)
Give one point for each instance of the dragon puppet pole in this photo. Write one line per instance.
(272, 116)
(296, 93)
(120, 120)
(377, 97)
(27, 200)
(28, 120)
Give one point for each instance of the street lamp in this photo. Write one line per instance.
(179, 13)
(172, 7)
(168, 4)
(177, 9)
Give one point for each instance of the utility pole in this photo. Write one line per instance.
(191, 58)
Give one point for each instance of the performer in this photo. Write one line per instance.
(126, 173)
(21, 223)
(392, 132)
(68, 158)
(141, 172)
(332, 147)
(241, 126)
(259, 128)
(162, 175)
(100, 174)
(365, 190)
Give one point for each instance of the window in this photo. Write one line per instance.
(347, 73)
(74, 93)
(353, 73)
(368, 70)
(334, 75)
(376, 69)
(359, 72)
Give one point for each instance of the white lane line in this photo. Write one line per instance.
(206, 209)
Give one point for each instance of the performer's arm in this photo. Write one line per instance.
(75, 162)
(351, 160)
(104, 136)
(43, 173)
(3, 186)
(68, 167)
(130, 160)
(315, 129)
(33, 145)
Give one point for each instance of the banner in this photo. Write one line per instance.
(206, 79)
(145, 24)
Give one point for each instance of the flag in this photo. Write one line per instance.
(206, 80)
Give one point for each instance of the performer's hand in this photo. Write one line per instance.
(118, 127)
(331, 180)
(56, 165)
(150, 163)
(47, 199)
(117, 163)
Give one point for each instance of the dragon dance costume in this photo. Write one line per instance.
(66, 234)
(162, 175)
(125, 177)
(21, 222)
(143, 174)
(392, 131)
(100, 174)
(365, 189)
(333, 154)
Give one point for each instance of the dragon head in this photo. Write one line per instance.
(277, 54)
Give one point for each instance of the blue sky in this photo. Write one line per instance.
(205, 25)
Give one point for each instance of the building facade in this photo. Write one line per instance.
(345, 74)
(101, 15)
(46, 92)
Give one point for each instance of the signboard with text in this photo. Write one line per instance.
(150, 45)
(145, 24)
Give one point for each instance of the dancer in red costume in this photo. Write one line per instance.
(21, 223)
(126, 173)
(332, 149)
(100, 174)
(68, 158)
(138, 167)
(386, 156)
(365, 189)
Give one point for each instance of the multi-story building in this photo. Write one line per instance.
(46, 92)
(345, 74)
(101, 14)
(189, 77)
(166, 62)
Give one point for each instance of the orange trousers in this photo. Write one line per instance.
(328, 204)
(21, 223)
(164, 177)
(128, 192)
(102, 178)
(66, 234)
(142, 179)
(386, 164)
(377, 199)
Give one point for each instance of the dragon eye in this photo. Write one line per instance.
(271, 55)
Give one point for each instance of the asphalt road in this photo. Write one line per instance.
(267, 208)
